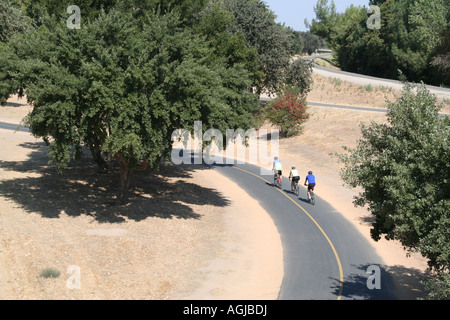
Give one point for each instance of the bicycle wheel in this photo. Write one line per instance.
(313, 198)
(297, 190)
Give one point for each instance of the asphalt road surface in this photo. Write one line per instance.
(325, 256)
(366, 80)
(13, 127)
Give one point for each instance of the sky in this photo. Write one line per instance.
(294, 12)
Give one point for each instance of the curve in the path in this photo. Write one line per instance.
(325, 256)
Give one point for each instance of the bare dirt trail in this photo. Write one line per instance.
(250, 265)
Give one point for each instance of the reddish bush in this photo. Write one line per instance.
(288, 111)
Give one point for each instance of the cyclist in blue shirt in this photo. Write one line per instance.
(311, 179)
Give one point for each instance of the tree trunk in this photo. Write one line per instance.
(124, 182)
(102, 164)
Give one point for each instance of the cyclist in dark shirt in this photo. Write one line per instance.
(311, 179)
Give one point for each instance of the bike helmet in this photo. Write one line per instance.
(293, 167)
(310, 172)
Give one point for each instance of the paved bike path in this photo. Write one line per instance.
(320, 247)
(13, 127)
(325, 256)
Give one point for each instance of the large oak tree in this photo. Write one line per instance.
(121, 86)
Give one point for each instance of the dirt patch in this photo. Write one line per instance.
(144, 250)
(250, 264)
(15, 109)
(182, 234)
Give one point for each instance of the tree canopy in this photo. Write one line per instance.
(136, 71)
(122, 88)
(403, 167)
(413, 38)
(12, 21)
(271, 41)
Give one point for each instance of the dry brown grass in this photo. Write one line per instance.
(147, 249)
(336, 91)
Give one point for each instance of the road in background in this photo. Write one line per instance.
(364, 80)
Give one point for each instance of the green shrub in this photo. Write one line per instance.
(49, 273)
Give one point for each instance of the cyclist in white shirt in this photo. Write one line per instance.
(294, 177)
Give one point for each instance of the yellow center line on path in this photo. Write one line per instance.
(341, 273)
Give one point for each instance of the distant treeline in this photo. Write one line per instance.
(304, 42)
(413, 38)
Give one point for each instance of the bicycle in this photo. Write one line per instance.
(277, 180)
(296, 188)
(311, 197)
